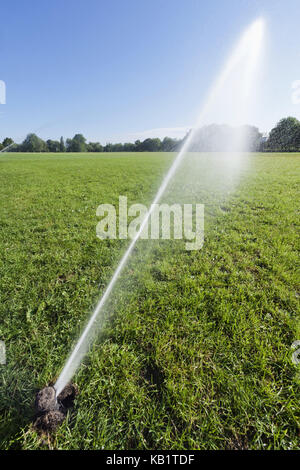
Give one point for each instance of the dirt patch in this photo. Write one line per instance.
(52, 410)
(49, 421)
(67, 396)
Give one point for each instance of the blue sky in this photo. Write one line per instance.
(118, 70)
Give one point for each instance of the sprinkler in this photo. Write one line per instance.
(51, 410)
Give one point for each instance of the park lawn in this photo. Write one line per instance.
(196, 353)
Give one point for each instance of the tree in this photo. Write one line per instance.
(128, 147)
(118, 147)
(137, 145)
(94, 147)
(169, 145)
(77, 144)
(250, 138)
(285, 136)
(108, 148)
(33, 143)
(53, 145)
(150, 145)
(7, 142)
(224, 138)
(62, 147)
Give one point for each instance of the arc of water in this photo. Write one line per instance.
(7, 147)
(250, 41)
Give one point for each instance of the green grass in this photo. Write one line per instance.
(197, 351)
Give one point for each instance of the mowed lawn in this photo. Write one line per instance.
(197, 351)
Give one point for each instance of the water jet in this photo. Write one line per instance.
(234, 85)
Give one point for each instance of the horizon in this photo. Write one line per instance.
(163, 136)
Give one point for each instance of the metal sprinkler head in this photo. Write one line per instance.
(51, 410)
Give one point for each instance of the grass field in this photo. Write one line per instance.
(197, 354)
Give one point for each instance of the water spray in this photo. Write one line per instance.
(248, 48)
(8, 147)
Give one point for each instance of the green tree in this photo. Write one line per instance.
(94, 147)
(137, 146)
(150, 145)
(53, 145)
(118, 147)
(33, 143)
(6, 142)
(169, 145)
(77, 144)
(62, 147)
(285, 136)
(128, 147)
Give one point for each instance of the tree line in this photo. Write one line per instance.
(284, 137)
(78, 143)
